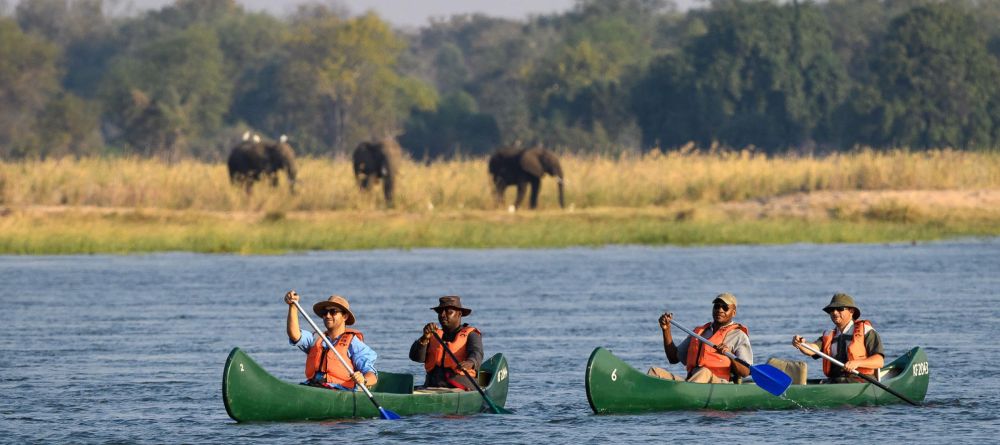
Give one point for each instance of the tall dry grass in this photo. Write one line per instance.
(653, 179)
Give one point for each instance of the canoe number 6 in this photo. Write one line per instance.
(614, 375)
(921, 368)
(502, 374)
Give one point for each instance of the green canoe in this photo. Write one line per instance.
(615, 387)
(252, 394)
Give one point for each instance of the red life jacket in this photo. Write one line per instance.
(707, 357)
(856, 351)
(323, 360)
(437, 357)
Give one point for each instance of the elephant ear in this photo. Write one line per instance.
(531, 162)
(393, 155)
(274, 155)
(286, 151)
(551, 163)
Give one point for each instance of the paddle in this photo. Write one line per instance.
(386, 414)
(496, 409)
(769, 378)
(864, 376)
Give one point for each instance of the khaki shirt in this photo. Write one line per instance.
(873, 345)
(737, 340)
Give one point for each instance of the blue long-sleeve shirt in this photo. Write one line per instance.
(361, 356)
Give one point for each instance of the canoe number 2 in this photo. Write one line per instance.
(921, 368)
(614, 375)
(241, 367)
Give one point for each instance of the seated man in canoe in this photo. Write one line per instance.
(852, 342)
(465, 341)
(322, 366)
(704, 363)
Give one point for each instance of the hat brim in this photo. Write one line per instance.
(719, 300)
(321, 307)
(857, 310)
(465, 311)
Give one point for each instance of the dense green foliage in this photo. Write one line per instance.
(762, 74)
(79, 78)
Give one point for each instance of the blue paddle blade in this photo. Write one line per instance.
(770, 379)
(388, 415)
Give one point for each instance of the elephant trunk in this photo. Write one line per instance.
(559, 184)
(556, 171)
(292, 179)
(387, 185)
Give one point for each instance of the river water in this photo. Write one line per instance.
(130, 349)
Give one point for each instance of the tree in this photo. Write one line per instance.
(29, 79)
(581, 85)
(161, 95)
(487, 58)
(454, 127)
(934, 84)
(68, 126)
(82, 29)
(763, 75)
(339, 83)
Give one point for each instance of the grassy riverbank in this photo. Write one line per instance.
(683, 198)
(129, 231)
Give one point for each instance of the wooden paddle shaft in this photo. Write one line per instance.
(455, 359)
(329, 344)
(482, 393)
(864, 376)
(831, 359)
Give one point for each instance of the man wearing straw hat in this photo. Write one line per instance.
(705, 364)
(322, 367)
(852, 342)
(464, 341)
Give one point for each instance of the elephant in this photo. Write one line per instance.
(254, 158)
(374, 161)
(521, 167)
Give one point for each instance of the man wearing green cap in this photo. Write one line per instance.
(853, 342)
(704, 363)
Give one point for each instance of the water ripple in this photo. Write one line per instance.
(141, 359)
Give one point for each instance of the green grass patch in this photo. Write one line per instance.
(155, 231)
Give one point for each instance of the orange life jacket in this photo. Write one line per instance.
(323, 360)
(856, 351)
(707, 357)
(437, 357)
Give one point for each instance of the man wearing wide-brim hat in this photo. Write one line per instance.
(703, 363)
(322, 366)
(852, 341)
(463, 340)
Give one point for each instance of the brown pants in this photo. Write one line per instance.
(700, 375)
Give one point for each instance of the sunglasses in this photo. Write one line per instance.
(332, 312)
(838, 309)
(723, 306)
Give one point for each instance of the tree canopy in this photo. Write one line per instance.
(78, 78)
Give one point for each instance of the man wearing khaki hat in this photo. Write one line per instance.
(464, 341)
(706, 364)
(322, 366)
(852, 342)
